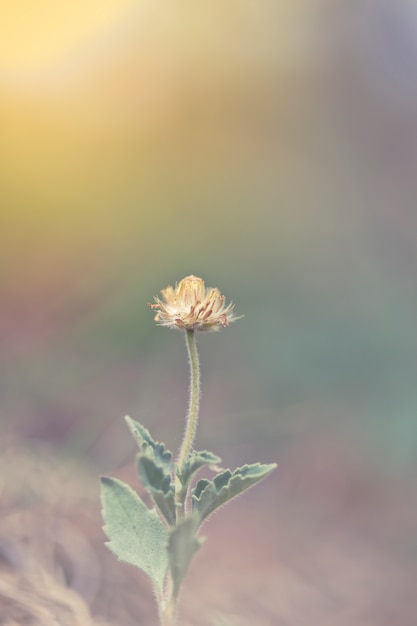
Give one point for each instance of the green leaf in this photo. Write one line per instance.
(209, 495)
(182, 545)
(136, 534)
(158, 482)
(148, 446)
(194, 462)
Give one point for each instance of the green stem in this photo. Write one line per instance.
(168, 613)
(167, 616)
(192, 417)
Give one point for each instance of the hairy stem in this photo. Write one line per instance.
(167, 616)
(192, 417)
(168, 611)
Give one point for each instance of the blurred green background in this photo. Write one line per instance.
(271, 149)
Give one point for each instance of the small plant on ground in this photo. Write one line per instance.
(162, 540)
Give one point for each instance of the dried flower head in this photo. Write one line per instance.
(193, 306)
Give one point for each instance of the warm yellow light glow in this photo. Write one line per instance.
(33, 34)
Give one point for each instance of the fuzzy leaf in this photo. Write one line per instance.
(208, 495)
(182, 545)
(136, 534)
(148, 446)
(158, 482)
(194, 462)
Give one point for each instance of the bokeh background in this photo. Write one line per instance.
(270, 148)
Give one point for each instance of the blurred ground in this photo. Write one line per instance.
(271, 149)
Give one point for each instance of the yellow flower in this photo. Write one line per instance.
(193, 306)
